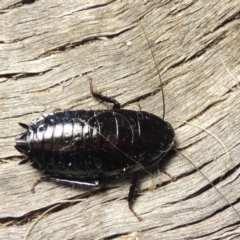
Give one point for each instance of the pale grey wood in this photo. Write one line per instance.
(49, 49)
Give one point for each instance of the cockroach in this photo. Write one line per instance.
(82, 147)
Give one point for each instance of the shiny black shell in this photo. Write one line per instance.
(95, 144)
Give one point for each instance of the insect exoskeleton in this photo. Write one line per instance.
(95, 144)
(82, 147)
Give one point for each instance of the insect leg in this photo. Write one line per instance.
(42, 179)
(131, 196)
(72, 182)
(116, 104)
(173, 179)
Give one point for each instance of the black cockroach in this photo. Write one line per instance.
(81, 147)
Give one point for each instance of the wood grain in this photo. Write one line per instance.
(48, 49)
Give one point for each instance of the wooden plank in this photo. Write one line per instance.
(48, 49)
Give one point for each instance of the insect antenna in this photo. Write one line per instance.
(163, 116)
(195, 166)
(201, 172)
(155, 63)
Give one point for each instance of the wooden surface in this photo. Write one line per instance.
(48, 49)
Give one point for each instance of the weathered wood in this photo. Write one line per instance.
(48, 49)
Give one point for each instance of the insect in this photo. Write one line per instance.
(82, 147)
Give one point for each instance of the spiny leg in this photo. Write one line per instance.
(42, 179)
(116, 104)
(131, 196)
(173, 179)
(94, 183)
(139, 106)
